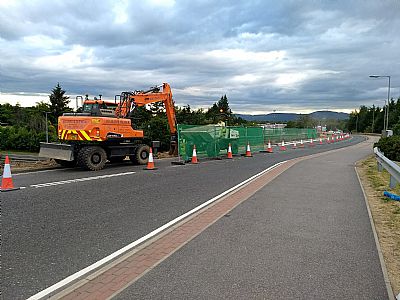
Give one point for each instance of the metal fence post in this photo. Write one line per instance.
(393, 182)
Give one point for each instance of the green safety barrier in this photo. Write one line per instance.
(213, 140)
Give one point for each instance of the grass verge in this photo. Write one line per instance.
(386, 215)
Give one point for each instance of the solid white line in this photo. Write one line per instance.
(34, 172)
(98, 264)
(40, 185)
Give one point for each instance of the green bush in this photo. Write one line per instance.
(390, 146)
(23, 139)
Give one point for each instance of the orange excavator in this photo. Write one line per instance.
(103, 131)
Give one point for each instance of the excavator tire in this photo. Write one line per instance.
(66, 163)
(141, 155)
(92, 158)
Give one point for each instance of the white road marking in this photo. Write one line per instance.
(34, 172)
(59, 285)
(40, 185)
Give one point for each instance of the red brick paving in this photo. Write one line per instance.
(132, 268)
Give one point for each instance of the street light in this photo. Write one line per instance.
(47, 127)
(385, 126)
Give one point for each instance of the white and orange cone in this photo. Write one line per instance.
(320, 141)
(248, 151)
(150, 162)
(230, 152)
(269, 149)
(6, 182)
(294, 145)
(311, 144)
(194, 156)
(282, 147)
(301, 144)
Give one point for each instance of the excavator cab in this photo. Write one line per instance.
(99, 108)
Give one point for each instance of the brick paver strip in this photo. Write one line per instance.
(119, 276)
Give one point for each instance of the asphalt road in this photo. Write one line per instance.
(305, 235)
(51, 232)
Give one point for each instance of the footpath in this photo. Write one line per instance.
(304, 235)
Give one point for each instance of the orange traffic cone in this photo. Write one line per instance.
(6, 182)
(230, 152)
(269, 149)
(294, 145)
(150, 162)
(311, 144)
(194, 156)
(332, 139)
(282, 147)
(248, 151)
(301, 144)
(320, 141)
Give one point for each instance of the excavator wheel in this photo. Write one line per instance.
(92, 158)
(141, 155)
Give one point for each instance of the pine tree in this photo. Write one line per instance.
(223, 106)
(58, 102)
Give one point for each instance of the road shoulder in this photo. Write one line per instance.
(385, 219)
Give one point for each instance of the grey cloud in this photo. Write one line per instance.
(335, 44)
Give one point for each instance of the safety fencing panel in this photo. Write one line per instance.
(213, 140)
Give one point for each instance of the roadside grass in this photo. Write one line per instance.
(386, 215)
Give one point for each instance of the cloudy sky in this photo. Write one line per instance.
(288, 56)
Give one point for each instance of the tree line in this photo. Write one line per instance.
(23, 128)
(370, 119)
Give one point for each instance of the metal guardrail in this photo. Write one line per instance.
(390, 166)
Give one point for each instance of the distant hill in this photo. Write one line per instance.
(285, 117)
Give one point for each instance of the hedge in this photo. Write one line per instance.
(390, 146)
(23, 139)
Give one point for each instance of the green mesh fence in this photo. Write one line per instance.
(213, 140)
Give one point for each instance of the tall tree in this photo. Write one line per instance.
(223, 106)
(220, 111)
(58, 102)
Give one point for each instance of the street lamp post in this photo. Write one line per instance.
(373, 118)
(386, 113)
(357, 123)
(47, 127)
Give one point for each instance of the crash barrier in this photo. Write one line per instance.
(390, 166)
(212, 141)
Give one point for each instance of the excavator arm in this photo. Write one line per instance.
(140, 98)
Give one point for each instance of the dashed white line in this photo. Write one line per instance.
(40, 185)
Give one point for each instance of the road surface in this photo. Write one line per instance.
(65, 220)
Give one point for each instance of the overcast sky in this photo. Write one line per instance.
(288, 56)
